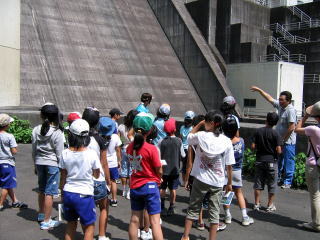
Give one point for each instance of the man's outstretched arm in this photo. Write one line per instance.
(264, 94)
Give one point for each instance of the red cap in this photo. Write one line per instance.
(170, 126)
(73, 116)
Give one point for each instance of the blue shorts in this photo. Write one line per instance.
(48, 179)
(114, 173)
(171, 182)
(100, 190)
(76, 206)
(7, 176)
(146, 196)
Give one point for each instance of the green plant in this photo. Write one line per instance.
(299, 180)
(21, 130)
(248, 162)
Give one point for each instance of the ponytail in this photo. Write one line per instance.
(45, 127)
(138, 140)
(217, 118)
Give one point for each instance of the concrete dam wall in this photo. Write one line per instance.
(104, 53)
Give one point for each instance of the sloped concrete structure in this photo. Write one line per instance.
(103, 53)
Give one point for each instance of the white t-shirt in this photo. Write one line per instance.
(124, 135)
(79, 167)
(95, 147)
(212, 155)
(111, 152)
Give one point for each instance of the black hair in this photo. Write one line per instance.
(227, 109)
(50, 114)
(76, 141)
(187, 122)
(153, 133)
(196, 120)
(92, 116)
(139, 138)
(161, 115)
(216, 117)
(272, 118)
(128, 120)
(230, 126)
(146, 97)
(287, 94)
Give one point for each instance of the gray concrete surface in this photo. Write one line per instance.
(292, 208)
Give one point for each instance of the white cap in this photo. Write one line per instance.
(5, 120)
(229, 100)
(80, 127)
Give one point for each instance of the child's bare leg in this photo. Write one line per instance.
(270, 199)
(4, 193)
(173, 196)
(213, 231)
(48, 201)
(134, 224)
(103, 218)
(12, 195)
(146, 220)
(114, 190)
(88, 232)
(156, 227)
(70, 230)
(257, 194)
(41, 202)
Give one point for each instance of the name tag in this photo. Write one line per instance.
(151, 186)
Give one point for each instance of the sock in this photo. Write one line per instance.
(227, 211)
(162, 203)
(124, 188)
(244, 212)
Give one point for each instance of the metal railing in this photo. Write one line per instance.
(270, 58)
(301, 14)
(287, 36)
(302, 25)
(295, 58)
(274, 3)
(312, 78)
(273, 42)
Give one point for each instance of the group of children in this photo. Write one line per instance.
(146, 152)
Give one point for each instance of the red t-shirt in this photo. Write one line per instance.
(144, 165)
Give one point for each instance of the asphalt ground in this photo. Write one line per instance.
(292, 208)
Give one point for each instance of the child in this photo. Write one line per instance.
(145, 178)
(214, 153)
(162, 116)
(47, 146)
(73, 116)
(115, 115)
(267, 142)
(126, 170)
(184, 131)
(8, 147)
(171, 150)
(106, 129)
(146, 99)
(98, 144)
(78, 165)
(230, 129)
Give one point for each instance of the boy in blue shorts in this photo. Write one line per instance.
(8, 147)
(78, 165)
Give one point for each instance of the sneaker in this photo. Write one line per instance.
(139, 233)
(113, 203)
(271, 208)
(246, 221)
(286, 186)
(146, 235)
(103, 238)
(160, 221)
(227, 219)
(201, 226)
(40, 217)
(221, 226)
(170, 211)
(1, 207)
(309, 226)
(124, 193)
(257, 207)
(128, 195)
(49, 225)
(20, 205)
(118, 181)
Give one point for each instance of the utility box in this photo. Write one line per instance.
(272, 77)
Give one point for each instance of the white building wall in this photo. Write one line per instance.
(272, 77)
(10, 52)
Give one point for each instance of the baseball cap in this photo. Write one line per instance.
(73, 116)
(91, 115)
(49, 108)
(189, 115)
(314, 110)
(229, 100)
(143, 121)
(106, 126)
(165, 109)
(5, 120)
(170, 126)
(80, 127)
(115, 111)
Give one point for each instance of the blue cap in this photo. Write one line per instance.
(106, 126)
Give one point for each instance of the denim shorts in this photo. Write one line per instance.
(100, 190)
(48, 179)
(114, 173)
(146, 196)
(76, 206)
(170, 181)
(7, 176)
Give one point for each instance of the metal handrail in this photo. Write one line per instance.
(312, 78)
(273, 42)
(302, 25)
(270, 58)
(278, 28)
(297, 58)
(298, 12)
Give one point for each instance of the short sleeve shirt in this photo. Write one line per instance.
(79, 167)
(7, 141)
(98, 144)
(142, 108)
(313, 132)
(238, 149)
(159, 123)
(112, 152)
(266, 141)
(170, 149)
(184, 131)
(144, 164)
(286, 116)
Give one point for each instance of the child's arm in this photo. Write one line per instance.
(278, 150)
(299, 129)
(118, 150)
(159, 171)
(189, 166)
(105, 166)
(63, 177)
(14, 150)
(96, 173)
(229, 184)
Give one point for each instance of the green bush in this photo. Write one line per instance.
(248, 162)
(299, 180)
(21, 130)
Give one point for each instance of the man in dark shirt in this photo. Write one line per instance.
(267, 142)
(171, 150)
